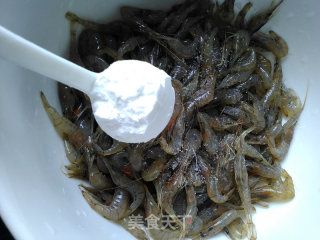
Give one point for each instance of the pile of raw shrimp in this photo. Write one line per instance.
(222, 150)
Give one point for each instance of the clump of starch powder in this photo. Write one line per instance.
(132, 100)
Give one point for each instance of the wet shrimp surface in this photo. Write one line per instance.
(221, 152)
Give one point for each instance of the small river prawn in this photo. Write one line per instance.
(216, 226)
(241, 177)
(116, 210)
(159, 233)
(278, 190)
(65, 128)
(134, 187)
(212, 182)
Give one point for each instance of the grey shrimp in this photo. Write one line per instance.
(115, 211)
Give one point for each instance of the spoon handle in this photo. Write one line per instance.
(30, 56)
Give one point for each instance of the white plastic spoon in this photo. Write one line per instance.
(132, 100)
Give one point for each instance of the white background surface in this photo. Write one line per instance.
(37, 201)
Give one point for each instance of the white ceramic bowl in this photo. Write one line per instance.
(37, 201)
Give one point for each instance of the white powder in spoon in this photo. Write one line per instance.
(132, 100)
